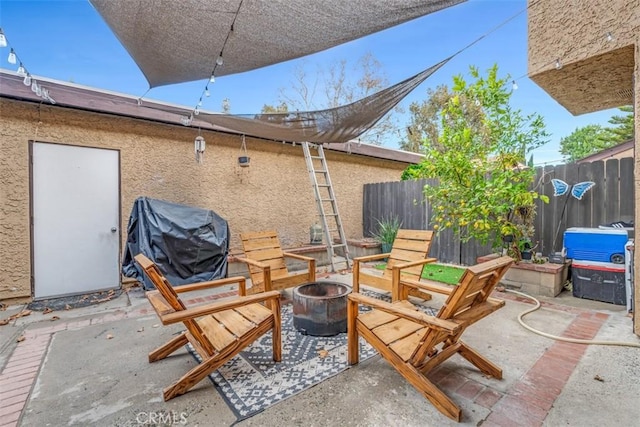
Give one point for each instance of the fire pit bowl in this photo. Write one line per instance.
(320, 308)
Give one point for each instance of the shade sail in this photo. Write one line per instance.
(339, 124)
(179, 41)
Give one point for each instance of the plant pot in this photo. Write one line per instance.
(243, 161)
(386, 247)
(526, 255)
(507, 238)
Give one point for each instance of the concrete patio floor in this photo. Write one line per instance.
(90, 367)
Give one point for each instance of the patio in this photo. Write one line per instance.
(108, 381)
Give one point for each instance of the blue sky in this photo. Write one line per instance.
(68, 40)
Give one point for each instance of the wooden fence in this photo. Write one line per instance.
(611, 199)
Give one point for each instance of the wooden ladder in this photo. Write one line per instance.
(326, 203)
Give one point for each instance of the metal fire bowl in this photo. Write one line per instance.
(320, 308)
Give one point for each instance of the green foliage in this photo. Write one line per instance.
(426, 125)
(484, 188)
(583, 142)
(412, 172)
(591, 139)
(623, 126)
(387, 230)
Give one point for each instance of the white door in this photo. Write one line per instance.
(76, 217)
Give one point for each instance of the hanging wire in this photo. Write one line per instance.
(22, 71)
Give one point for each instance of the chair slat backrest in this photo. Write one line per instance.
(475, 286)
(409, 245)
(171, 297)
(264, 246)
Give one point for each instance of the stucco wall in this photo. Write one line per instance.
(157, 160)
(596, 72)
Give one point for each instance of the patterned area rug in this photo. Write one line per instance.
(252, 381)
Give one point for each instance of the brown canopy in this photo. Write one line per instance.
(340, 124)
(179, 41)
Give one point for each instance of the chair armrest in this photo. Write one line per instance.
(406, 313)
(414, 263)
(429, 286)
(368, 258)
(262, 265)
(211, 284)
(297, 256)
(203, 310)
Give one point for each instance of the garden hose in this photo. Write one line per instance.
(555, 337)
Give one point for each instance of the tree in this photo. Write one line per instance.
(591, 139)
(338, 85)
(425, 125)
(583, 142)
(623, 126)
(484, 189)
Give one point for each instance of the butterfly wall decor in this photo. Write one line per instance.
(577, 190)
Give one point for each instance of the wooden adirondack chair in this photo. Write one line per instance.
(217, 331)
(414, 343)
(409, 254)
(267, 264)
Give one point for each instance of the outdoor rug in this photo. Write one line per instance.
(252, 381)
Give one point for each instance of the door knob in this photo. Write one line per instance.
(113, 229)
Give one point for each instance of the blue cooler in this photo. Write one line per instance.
(595, 244)
(600, 281)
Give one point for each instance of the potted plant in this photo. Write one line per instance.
(386, 234)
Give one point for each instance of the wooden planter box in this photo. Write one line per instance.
(536, 279)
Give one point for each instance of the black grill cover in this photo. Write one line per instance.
(188, 244)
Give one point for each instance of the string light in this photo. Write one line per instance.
(206, 92)
(609, 37)
(28, 80)
(11, 59)
(514, 85)
(558, 64)
(219, 60)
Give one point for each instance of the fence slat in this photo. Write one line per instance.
(612, 189)
(611, 199)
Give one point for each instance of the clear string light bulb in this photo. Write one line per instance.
(27, 80)
(219, 61)
(21, 70)
(12, 59)
(3, 39)
(212, 79)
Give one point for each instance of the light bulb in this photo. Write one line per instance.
(212, 79)
(609, 37)
(12, 57)
(21, 71)
(27, 80)
(38, 90)
(558, 64)
(219, 61)
(514, 85)
(206, 92)
(196, 111)
(45, 93)
(34, 86)
(3, 39)
(200, 103)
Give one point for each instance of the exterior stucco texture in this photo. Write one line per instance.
(157, 160)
